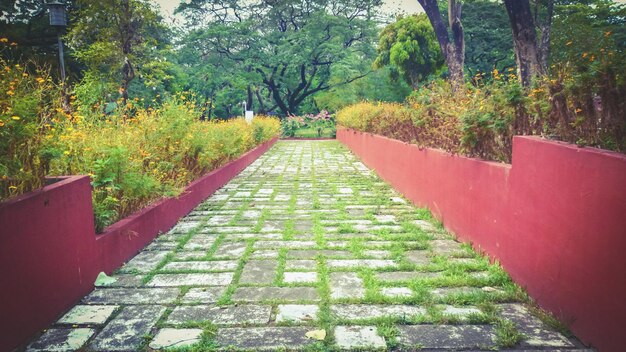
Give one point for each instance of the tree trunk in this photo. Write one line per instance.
(452, 50)
(545, 28)
(524, 40)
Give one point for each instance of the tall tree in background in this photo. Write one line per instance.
(118, 41)
(288, 49)
(410, 47)
(488, 41)
(452, 47)
(527, 52)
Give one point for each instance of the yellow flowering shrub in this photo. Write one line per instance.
(28, 108)
(134, 155)
(156, 153)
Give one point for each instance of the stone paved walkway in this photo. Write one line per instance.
(305, 239)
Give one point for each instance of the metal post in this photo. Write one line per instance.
(61, 57)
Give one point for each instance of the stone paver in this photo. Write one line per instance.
(230, 315)
(259, 272)
(351, 337)
(263, 338)
(346, 285)
(296, 313)
(125, 332)
(451, 337)
(170, 338)
(293, 294)
(61, 340)
(88, 315)
(304, 238)
(365, 311)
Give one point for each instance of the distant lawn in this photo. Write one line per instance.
(309, 132)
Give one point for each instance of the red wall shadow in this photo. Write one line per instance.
(50, 255)
(555, 219)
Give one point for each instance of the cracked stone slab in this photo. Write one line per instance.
(171, 338)
(203, 294)
(259, 272)
(292, 277)
(351, 337)
(227, 315)
(216, 265)
(132, 296)
(125, 332)
(297, 313)
(355, 263)
(209, 279)
(452, 337)
(144, 262)
(82, 314)
(263, 338)
(256, 294)
(61, 340)
(370, 311)
(346, 285)
(538, 334)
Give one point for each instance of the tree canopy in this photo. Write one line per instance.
(287, 51)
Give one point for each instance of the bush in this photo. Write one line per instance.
(134, 155)
(481, 121)
(28, 109)
(156, 153)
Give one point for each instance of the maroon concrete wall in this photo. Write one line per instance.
(555, 219)
(50, 254)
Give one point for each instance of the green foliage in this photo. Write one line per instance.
(488, 39)
(27, 113)
(125, 48)
(283, 52)
(410, 47)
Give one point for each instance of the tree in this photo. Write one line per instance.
(409, 46)
(118, 41)
(453, 48)
(488, 40)
(527, 53)
(287, 50)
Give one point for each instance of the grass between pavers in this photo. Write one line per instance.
(325, 226)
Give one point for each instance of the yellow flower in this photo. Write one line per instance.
(16, 118)
(67, 152)
(10, 92)
(4, 40)
(40, 80)
(12, 188)
(1, 123)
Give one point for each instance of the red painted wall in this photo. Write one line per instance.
(50, 255)
(555, 219)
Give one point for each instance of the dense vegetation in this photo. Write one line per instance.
(576, 94)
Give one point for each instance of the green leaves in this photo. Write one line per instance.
(410, 46)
